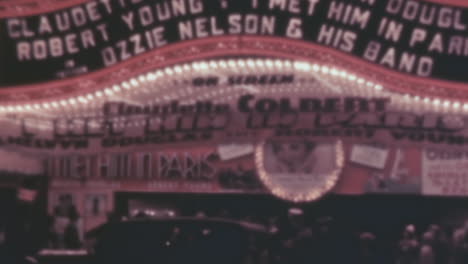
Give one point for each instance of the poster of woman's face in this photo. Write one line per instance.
(292, 157)
(298, 168)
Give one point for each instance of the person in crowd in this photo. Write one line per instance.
(367, 249)
(408, 247)
(440, 244)
(200, 214)
(2, 235)
(254, 254)
(460, 245)
(26, 231)
(60, 223)
(464, 249)
(296, 239)
(95, 208)
(426, 251)
(61, 219)
(52, 241)
(72, 237)
(326, 239)
(2, 243)
(273, 245)
(272, 225)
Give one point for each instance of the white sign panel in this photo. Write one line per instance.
(445, 173)
(232, 151)
(369, 156)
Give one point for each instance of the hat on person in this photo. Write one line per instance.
(428, 237)
(367, 236)
(410, 229)
(295, 211)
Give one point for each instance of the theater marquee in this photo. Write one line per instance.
(372, 84)
(411, 37)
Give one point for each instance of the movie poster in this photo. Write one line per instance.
(445, 173)
(400, 173)
(300, 169)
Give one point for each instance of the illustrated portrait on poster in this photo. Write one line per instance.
(292, 157)
(298, 168)
(96, 204)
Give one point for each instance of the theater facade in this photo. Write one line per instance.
(296, 99)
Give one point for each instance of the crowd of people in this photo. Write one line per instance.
(296, 239)
(328, 242)
(433, 246)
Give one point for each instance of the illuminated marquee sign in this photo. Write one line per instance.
(412, 37)
(249, 118)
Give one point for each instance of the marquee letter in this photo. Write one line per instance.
(243, 104)
(294, 28)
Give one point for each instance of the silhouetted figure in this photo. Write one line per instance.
(326, 242)
(441, 245)
(26, 227)
(367, 249)
(200, 214)
(52, 239)
(460, 248)
(60, 224)
(296, 240)
(2, 244)
(95, 207)
(71, 235)
(273, 253)
(426, 252)
(408, 247)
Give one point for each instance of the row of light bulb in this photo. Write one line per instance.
(178, 71)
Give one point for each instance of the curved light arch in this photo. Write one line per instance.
(161, 86)
(159, 82)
